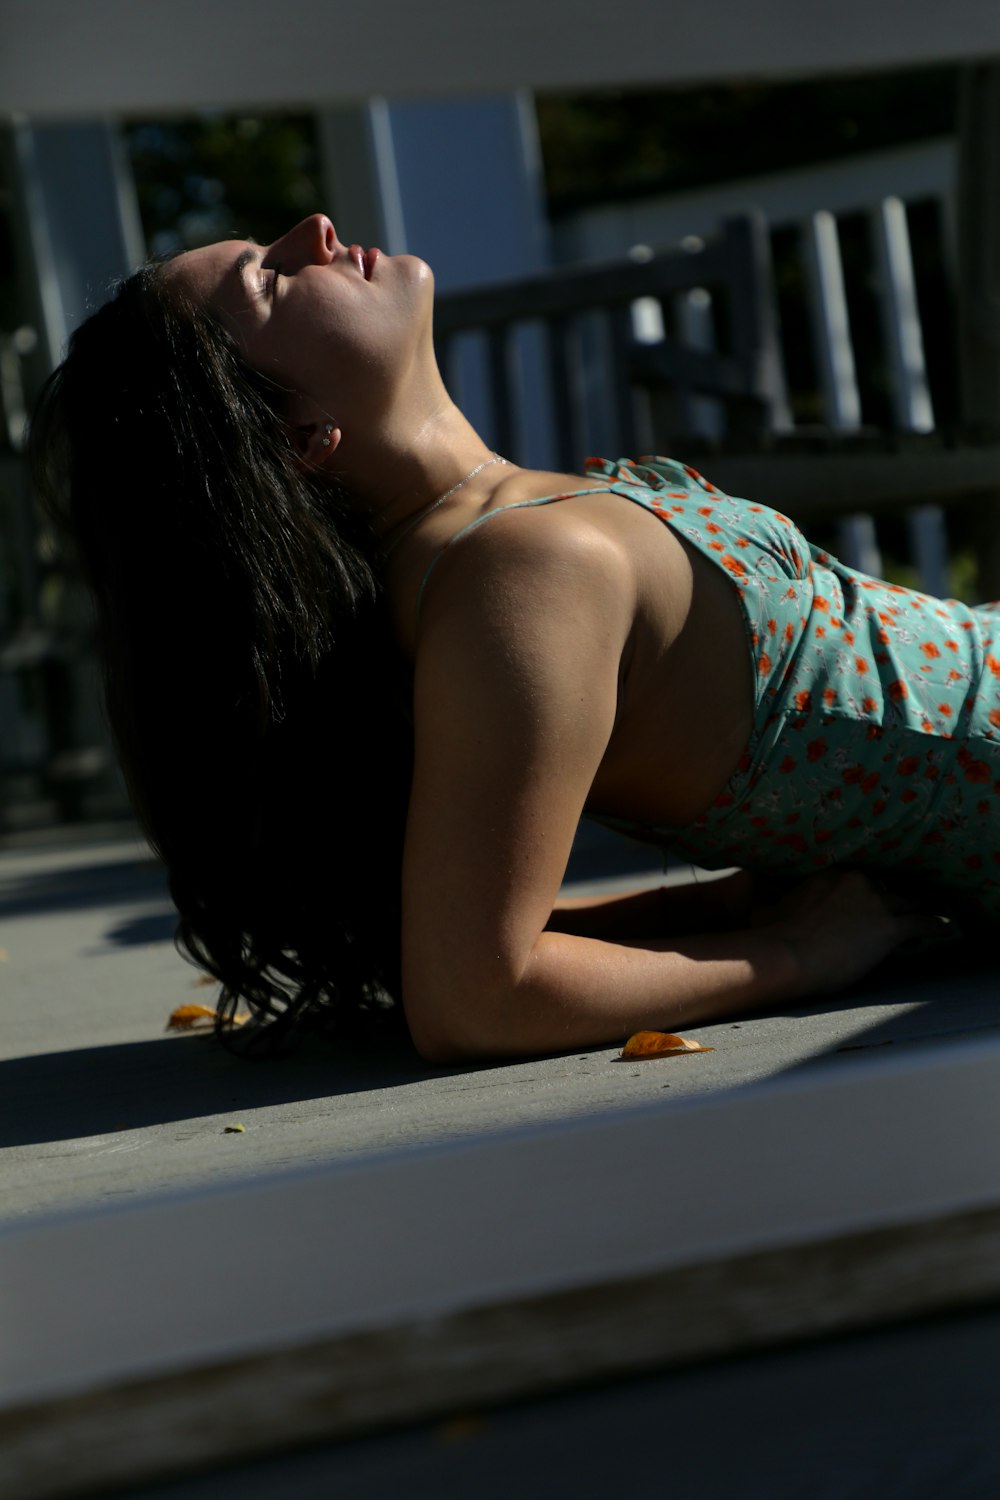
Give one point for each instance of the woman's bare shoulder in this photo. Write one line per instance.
(521, 556)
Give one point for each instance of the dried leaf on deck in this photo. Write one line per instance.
(647, 1044)
(200, 1018)
(191, 1018)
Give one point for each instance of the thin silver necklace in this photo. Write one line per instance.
(421, 514)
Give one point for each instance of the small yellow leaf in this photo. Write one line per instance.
(191, 1018)
(200, 1018)
(234, 1130)
(204, 979)
(647, 1044)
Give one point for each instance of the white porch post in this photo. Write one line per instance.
(80, 216)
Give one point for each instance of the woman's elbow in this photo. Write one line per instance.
(433, 1042)
(445, 1036)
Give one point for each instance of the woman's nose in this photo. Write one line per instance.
(311, 242)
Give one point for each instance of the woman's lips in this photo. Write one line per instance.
(364, 260)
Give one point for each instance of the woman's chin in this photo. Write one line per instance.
(416, 271)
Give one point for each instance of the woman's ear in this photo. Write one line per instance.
(316, 442)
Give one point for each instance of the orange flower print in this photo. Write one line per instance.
(995, 717)
(855, 776)
(861, 665)
(803, 701)
(976, 771)
(822, 604)
(945, 709)
(930, 650)
(869, 704)
(993, 665)
(898, 690)
(764, 664)
(829, 696)
(787, 766)
(816, 749)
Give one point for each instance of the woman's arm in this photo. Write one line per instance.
(515, 698)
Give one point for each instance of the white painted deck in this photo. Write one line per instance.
(384, 1242)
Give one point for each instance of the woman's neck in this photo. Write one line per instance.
(410, 471)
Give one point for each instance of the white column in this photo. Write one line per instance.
(77, 199)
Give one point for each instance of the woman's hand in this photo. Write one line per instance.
(839, 924)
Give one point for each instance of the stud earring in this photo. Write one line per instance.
(327, 428)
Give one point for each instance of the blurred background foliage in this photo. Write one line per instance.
(204, 178)
(625, 145)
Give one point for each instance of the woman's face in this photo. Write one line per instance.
(332, 323)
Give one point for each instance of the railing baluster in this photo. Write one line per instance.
(503, 376)
(565, 392)
(831, 323)
(901, 318)
(620, 325)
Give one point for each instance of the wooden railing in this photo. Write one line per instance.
(647, 374)
(595, 306)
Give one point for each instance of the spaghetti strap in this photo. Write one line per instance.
(590, 489)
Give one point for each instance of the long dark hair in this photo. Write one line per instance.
(250, 678)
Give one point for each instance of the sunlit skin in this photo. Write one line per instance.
(566, 657)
